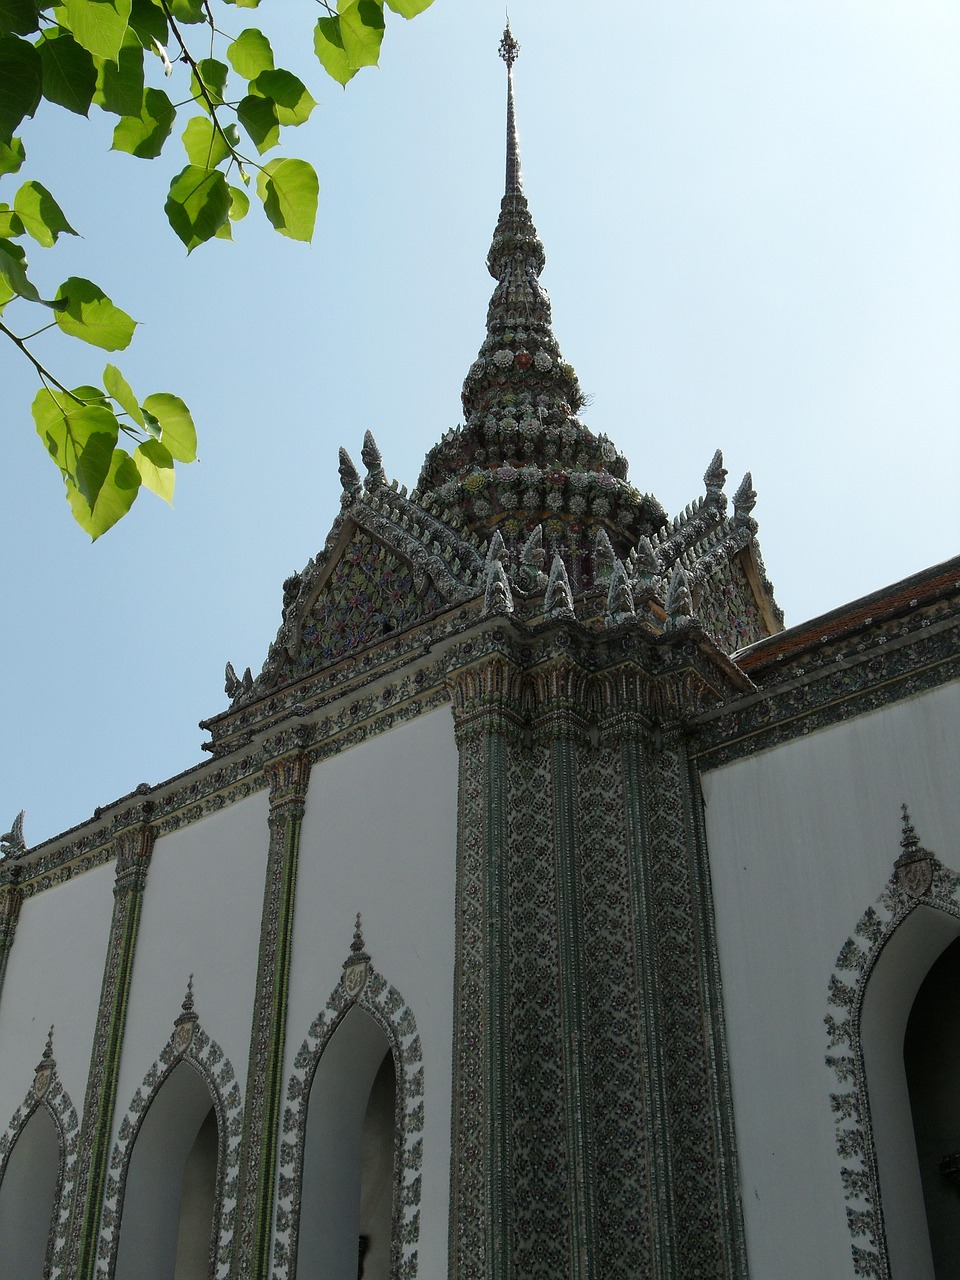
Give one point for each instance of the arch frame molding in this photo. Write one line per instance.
(390, 1011)
(937, 887)
(51, 1094)
(195, 1047)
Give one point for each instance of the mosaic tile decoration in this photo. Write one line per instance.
(387, 1007)
(207, 1058)
(915, 882)
(57, 1102)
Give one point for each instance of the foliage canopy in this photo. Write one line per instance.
(78, 54)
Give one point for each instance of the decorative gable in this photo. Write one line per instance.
(368, 594)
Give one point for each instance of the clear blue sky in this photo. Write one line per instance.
(751, 212)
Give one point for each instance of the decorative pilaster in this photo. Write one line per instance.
(707, 1228)
(487, 719)
(561, 702)
(10, 900)
(288, 779)
(626, 732)
(135, 847)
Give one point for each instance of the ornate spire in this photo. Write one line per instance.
(509, 52)
(523, 458)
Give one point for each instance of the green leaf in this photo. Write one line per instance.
(69, 74)
(290, 190)
(13, 271)
(293, 102)
(116, 496)
(204, 143)
(176, 424)
(361, 27)
(148, 22)
(198, 204)
(409, 8)
(243, 4)
(98, 25)
(18, 17)
(12, 156)
(21, 79)
(120, 84)
(214, 77)
(91, 316)
(118, 387)
(80, 438)
(188, 10)
(328, 46)
(144, 135)
(250, 53)
(42, 217)
(6, 294)
(239, 204)
(10, 224)
(259, 118)
(156, 468)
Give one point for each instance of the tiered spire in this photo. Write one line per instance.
(523, 457)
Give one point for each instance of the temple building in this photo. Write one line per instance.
(542, 909)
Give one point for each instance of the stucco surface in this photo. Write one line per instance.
(53, 978)
(379, 838)
(201, 915)
(802, 839)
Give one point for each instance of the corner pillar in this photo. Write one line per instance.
(288, 779)
(135, 848)
(11, 896)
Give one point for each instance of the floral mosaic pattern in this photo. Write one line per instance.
(369, 595)
(540, 1190)
(64, 1115)
(206, 1057)
(385, 1004)
(851, 1104)
(624, 1124)
(729, 610)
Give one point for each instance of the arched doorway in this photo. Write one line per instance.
(931, 1056)
(28, 1195)
(168, 1215)
(346, 1206)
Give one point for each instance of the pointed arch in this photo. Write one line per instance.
(47, 1092)
(384, 1004)
(189, 1043)
(894, 944)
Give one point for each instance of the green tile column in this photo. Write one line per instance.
(135, 847)
(487, 723)
(632, 732)
(288, 779)
(561, 701)
(10, 900)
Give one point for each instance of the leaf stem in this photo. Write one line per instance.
(192, 64)
(44, 373)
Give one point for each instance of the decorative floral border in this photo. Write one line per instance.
(388, 1008)
(851, 1105)
(64, 1115)
(207, 1058)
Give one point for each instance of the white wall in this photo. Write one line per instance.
(379, 837)
(201, 915)
(802, 839)
(53, 977)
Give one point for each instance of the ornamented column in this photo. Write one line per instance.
(487, 716)
(135, 846)
(690, 1065)
(10, 900)
(560, 723)
(258, 1167)
(625, 731)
